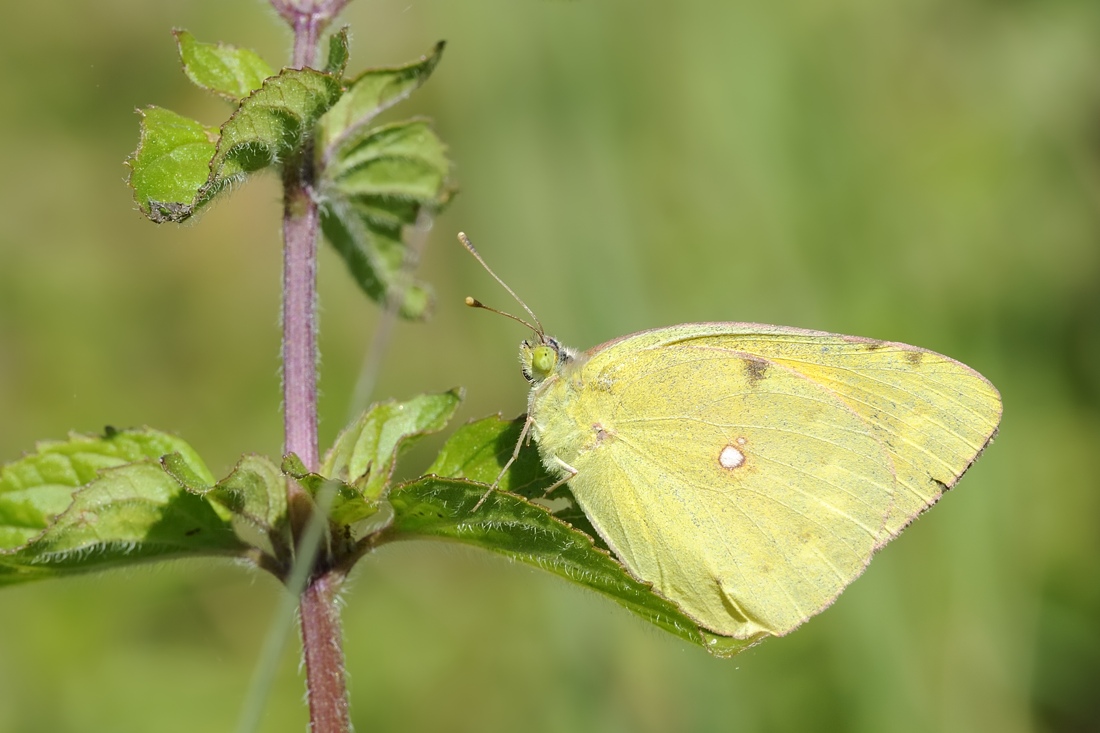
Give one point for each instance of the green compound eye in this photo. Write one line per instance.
(543, 360)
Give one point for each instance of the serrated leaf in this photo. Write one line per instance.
(375, 181)
(271, 122)
(225, 70)
(366, 452)
(506, 524)
(171, 164)
(408, 140)
(268, 126)
(369, 94)
(337, 61)
(130, 513)
(39, 486)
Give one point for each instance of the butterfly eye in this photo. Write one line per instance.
(543, 360)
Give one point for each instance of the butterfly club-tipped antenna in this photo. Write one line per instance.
(538, 330)
(474, 303)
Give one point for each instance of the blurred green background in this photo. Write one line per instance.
(925, 171)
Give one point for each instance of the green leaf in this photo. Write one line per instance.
(380, 184)
(255, 490)
(354, 516)
(271, 123)
(405, 161)
(39, 486)
(337, 61)
(366, 452)
(370, 93)
(180, 165)
(376, 258)
(254, 496)
(130, 513)
(225, 70)
(350, 510)
(376, 181)
(171, 164)
(438, 508)
(292, 465)
(479, 451)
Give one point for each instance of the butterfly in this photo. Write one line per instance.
(749, 472)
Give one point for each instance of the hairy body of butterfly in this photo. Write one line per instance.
(750, 472)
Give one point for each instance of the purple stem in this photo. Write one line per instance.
(300, 219)
(318, 606)
(308, 18)
(322, 645)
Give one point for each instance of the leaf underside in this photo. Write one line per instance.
(378, 180)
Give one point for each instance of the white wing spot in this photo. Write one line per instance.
(730, 457)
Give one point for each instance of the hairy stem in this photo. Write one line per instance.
(318, 602)
(320, 619)
(300, 220)
(324, 655)
(308, 19)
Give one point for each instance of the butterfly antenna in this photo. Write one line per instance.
(477, 304)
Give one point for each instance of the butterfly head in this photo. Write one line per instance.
(540, 357)
(543, 356)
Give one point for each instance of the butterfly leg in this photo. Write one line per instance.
(570, 472)
(515, 454)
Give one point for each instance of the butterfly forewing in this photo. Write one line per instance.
(933, 414)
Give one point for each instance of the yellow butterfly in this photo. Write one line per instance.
(749, 472)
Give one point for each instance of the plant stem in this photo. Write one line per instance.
(308, 18)
(320, 619)
(318, 605)
(300, 219)
(324, 655)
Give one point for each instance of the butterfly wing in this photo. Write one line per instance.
(933, 414)
(750, 472)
